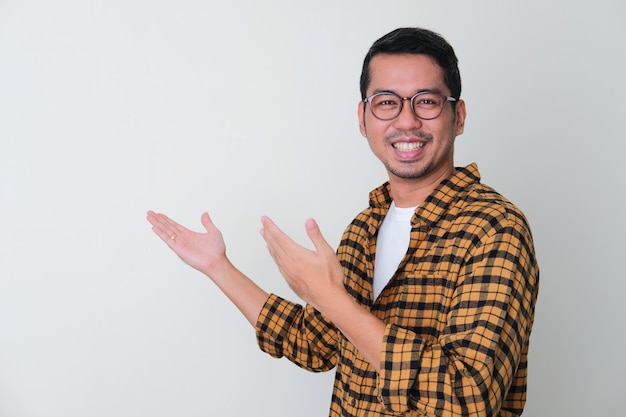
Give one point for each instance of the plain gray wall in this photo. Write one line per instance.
(242, 108)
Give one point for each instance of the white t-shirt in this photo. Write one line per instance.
(391, 245)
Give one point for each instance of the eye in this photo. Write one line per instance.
(385, 101)
(427, 100)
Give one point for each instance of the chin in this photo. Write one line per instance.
(408, 173)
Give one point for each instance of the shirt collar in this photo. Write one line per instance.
(438, 201)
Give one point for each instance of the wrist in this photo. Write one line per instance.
(218, 268)
(334, 302)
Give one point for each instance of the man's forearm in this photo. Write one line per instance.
(364, 330)
(248, 297)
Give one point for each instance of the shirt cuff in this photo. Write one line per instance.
(272, 324)
(400, 362)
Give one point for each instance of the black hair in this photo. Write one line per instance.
(416, 41)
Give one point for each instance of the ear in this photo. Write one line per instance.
(361, 114)
(461, 113)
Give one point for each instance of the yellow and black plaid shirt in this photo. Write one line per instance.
(459, 310)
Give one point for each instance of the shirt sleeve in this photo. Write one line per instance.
(301, 334)
(469, 368)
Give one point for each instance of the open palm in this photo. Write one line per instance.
(199, 250)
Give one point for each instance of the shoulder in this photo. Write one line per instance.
(482, 202)
(482, 217)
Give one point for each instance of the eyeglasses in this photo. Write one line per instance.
(426, 105)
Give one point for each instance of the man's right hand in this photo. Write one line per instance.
(202, 251)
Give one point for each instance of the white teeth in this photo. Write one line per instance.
(407, 146)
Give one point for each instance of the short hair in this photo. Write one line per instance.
(416, 41)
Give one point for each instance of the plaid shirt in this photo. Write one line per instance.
(458, 311)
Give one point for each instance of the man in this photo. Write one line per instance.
(427, 306)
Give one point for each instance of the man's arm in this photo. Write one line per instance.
(317, 277)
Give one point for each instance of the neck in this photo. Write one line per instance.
(412, 192)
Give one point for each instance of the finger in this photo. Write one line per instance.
(276, 239)
(164, 223)
(167, 235)
(267, 234)
(280, 246)
(207, 222)
(316, 237)
(167, 229)
(269, 229)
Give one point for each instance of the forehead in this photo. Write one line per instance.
(405, 73)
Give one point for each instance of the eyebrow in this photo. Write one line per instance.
(423, 90)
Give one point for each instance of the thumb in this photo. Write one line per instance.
(207, 222)
(314, 233)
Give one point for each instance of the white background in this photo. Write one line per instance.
(110, 108)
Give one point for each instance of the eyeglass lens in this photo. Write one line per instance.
(387, 106)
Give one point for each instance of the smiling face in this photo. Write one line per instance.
(411, 149)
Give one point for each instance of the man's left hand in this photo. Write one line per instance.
(315, 275)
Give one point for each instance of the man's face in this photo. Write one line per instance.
(411, 148)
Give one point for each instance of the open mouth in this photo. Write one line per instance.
(408, 146)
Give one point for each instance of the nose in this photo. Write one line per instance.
(407, 119)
